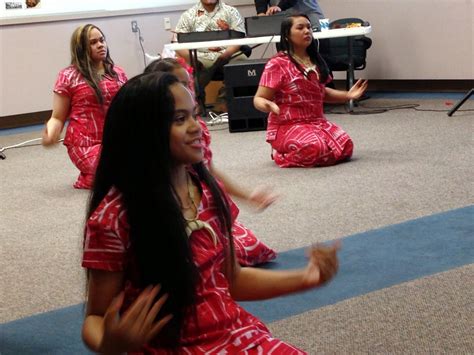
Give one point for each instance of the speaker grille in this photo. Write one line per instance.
(241, 80)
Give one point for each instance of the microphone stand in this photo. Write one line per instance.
(460, 102)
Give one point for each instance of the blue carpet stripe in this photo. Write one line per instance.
(370, 261)
(26, 129)
(54, 333)
(379, 259)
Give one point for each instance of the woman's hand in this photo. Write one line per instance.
(272, 10)
(357, 90)
(273, 107)
(322, 266)
(52, 131)
(137, 326)
(264, 104)
(262, 197)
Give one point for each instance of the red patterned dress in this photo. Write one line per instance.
(224, 326)
(86, 118)
(300, 135)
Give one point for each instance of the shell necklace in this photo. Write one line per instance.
(194, 224)
(308, 66)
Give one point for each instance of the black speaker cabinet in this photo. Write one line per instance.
(241, 80)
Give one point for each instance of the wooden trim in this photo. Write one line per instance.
(24, 119)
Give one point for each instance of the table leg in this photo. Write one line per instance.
(350, 69)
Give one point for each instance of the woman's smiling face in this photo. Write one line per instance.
(186, 134)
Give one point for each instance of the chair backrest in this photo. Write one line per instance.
(335, 50)
(347, 22)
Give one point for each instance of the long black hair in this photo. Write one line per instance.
(136, 159)
(165, 65)
(312, 49)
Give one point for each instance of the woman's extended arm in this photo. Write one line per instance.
(54, 126)
(107, 332)
(263, 100)
(260, 197)
(334, 96)
(256, 284)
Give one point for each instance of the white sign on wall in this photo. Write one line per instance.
(21, 4)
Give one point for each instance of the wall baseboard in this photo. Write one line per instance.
(24, 119)
(28, 119)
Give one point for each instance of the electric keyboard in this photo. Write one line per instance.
(209, 36)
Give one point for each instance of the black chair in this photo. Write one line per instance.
(337, 51)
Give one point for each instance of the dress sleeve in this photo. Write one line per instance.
(328, 80)
(63, 83)
(106, 237)
(122, 77)
(273, 75)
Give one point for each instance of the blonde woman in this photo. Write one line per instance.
(83, 93)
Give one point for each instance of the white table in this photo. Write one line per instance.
(340, 32)
(335, 33)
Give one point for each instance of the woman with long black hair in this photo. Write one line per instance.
(292, 89)
(162, 272)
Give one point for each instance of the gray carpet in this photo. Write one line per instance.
(432, 315)
(407, 164)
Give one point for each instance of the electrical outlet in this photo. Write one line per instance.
(134, 26)
(167, 23)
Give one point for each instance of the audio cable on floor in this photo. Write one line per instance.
(21, 145)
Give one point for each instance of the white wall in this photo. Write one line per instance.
(64, 6)
(413, 39)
